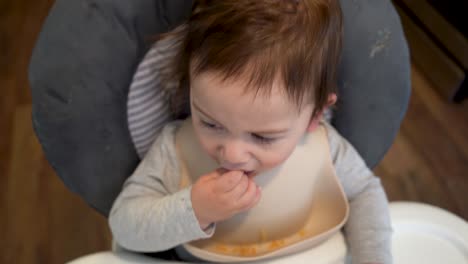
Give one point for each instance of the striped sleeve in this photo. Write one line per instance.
(147, 104)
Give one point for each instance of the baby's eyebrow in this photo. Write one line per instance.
(271, 132)
(203, 112)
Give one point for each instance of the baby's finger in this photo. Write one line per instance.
(258, 195)
(249, 196)
(210, 176)
(239, 190)
(228, 181)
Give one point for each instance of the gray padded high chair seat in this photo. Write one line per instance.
(88, 51)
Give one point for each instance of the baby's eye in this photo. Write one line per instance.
(263, 140)
(210, 125)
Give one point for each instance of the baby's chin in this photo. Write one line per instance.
(270, 167)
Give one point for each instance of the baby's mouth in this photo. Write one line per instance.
(250, 174)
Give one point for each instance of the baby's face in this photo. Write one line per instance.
(242, 131)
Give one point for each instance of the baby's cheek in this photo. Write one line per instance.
(276, 157)
(208, 145)
(210, 148)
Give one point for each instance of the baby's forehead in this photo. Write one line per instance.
(240, 88)
(233, 96)
(240, 84)
(261, 74)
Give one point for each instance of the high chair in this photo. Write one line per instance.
(87, 54)
(423, 234)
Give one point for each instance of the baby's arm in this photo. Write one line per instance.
(151, 214)
(368, 230)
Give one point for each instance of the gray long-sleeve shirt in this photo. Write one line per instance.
(151, 214)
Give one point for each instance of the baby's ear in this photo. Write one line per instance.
(315, 121)
(331, 99)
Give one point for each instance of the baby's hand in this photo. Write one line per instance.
(219, 195)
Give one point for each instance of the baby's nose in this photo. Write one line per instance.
(233, 166)
(233, 156)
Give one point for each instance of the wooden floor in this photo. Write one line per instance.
(42, 222)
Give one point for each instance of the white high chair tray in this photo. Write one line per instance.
(333, 251)
(422, 234)
(427, 234)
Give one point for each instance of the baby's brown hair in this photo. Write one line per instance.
(297, 41)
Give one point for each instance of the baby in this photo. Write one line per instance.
(259, 75)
